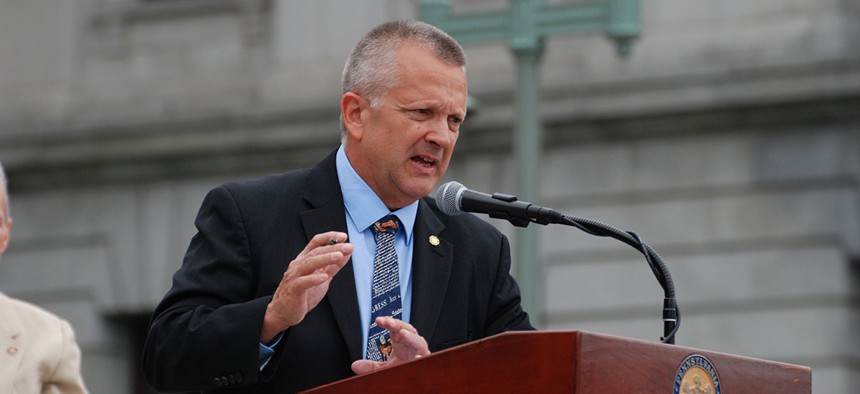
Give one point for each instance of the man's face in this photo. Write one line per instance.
(5, 221)
(406, 140)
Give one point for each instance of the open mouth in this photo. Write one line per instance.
(424, 161)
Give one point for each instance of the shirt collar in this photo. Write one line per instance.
(362, 203)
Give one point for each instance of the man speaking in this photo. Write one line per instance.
(314, 275)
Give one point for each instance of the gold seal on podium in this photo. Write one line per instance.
(696, 375)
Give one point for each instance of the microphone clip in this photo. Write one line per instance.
(517, 221)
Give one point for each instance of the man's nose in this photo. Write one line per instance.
(439, 132)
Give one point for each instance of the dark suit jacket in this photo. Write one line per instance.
(204, 334)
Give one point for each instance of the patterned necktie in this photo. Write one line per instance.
(386, 288)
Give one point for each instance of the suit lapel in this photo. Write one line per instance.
(431, 271)
(328, 213)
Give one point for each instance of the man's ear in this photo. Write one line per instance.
(352, 107)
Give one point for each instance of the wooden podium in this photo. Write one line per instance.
(574, 362)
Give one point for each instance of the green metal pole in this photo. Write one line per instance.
(527, 47)
(527, 147)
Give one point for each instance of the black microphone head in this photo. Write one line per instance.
(448, 197)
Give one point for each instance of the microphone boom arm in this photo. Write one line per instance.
(671, 313)
(452, 198)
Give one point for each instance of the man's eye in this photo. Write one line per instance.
(455, 119)
(423, 111)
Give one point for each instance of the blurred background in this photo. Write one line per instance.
(729, 139)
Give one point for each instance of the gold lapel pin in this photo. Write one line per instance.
(434, 240)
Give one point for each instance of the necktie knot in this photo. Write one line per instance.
(387, 224)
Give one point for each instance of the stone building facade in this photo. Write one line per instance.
(729, 139)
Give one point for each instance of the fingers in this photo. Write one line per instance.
(305, 282)
(407, 338)
(324, 239)
(395, 325)
(320, 254)
(408, 344)
(404, 335)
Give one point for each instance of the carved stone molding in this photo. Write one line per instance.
(111, 20)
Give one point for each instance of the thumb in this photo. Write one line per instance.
(361, 367)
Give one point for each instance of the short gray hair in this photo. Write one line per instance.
(370, 69)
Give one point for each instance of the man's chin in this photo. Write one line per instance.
(419, 193)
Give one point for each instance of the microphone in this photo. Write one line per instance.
(453, 198)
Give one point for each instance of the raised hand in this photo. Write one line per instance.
(305, 282)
